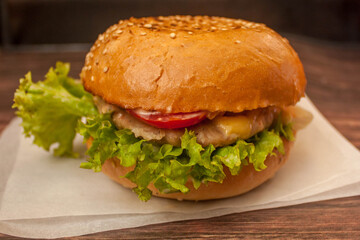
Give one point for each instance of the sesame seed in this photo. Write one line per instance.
(112, 28)
(104, 52)
(92, 78)
(148, 25)
(101, 37)
(237, 41)
(143, 33)
(247, 24)
(130, 24)
(118, 31)
(106, 69)
(190, 32)
(89, 67)
(172, 35)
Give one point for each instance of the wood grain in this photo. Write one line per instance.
(333, 72)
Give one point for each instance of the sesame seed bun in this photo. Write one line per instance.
(246, 180)
(185, 64)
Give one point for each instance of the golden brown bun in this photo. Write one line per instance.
(184, 64)
(246, 180)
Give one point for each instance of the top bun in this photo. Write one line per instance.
(185, 64)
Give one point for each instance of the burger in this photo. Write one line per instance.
(182, 107)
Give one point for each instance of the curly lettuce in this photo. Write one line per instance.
(52, 111)
(169, 167)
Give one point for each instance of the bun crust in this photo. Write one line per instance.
(185, 64)
(246, 180)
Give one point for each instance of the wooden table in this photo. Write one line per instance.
(333, 73)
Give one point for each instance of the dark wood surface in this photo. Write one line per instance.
(333, 72)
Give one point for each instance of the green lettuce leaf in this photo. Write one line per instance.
(167, 167)
(50, 109)
(265, 143)
(104, 145)
(284, 129)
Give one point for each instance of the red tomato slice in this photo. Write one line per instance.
(168, 120)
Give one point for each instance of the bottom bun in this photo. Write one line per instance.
(246, 180)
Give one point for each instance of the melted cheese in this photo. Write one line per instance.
(239, 125)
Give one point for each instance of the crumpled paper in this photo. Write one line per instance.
(42, 196)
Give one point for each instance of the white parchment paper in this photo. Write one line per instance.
(48, 197)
